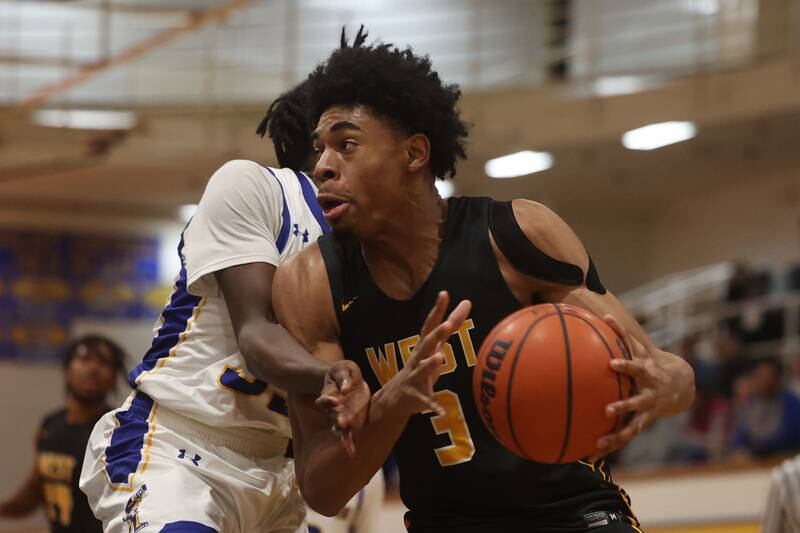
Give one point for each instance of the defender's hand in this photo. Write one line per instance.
(345, 398)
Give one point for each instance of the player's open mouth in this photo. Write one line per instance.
(332, 206)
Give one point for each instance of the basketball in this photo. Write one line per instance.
(543, 380)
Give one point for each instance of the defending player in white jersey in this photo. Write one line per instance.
(202, 444)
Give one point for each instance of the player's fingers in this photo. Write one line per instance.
(614, 441)
(327, 402)
(436, 315)
(329, 388)
(432, 366)
(632, 367)
(622, 333)
(428, 402)
(345, 375)
(457, 317)
(614, 324)
(460, 313)
(430, 343)
(641, 402)
(341, 377)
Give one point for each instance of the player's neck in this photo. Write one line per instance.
(402, 255)
(82, 412)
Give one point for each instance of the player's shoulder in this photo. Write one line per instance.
(301, 292)
(302, 277)
(533, 224)
(533, 213)
(54, 419)
(241, 167)
(540, 224)
(242, 174)
(303, 268)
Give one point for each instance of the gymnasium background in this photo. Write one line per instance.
(114, 113)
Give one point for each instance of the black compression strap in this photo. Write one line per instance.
(593, 282)
(523, 254)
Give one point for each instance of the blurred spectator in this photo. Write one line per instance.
(707, 428)
(768, 413)
(739, 286)
(91, 367)
(754, 323)
(793, 285)
(732, 363)
(654, 447)
(793, 278)
(705, 371)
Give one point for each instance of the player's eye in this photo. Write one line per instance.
(348, 145)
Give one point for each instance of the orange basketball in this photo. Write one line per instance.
(543, 380)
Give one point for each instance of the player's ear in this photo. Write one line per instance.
(418, 151)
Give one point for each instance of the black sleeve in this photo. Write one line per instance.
(529, 259)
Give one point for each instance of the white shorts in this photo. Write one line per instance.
(148, 470)
(362, 514)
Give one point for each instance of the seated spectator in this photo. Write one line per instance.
(755, 323)
(793, 278)
(707, 428)
(793, 284)
(768, 414)
(732, 363)
(705, 371)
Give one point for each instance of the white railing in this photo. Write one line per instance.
(693, 302)
(668, 305)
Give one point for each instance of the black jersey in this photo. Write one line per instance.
(59, 458)
(452, 470)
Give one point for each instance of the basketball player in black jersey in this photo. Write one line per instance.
(91, 367)
(386, 127)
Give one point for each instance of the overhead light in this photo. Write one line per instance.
(702, 7)
(658, 135)
(619, 85)
(445, 188)
(85, 119)
(518, 164)
(187, 212)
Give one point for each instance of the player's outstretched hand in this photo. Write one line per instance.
(345, 398)
(654, 392)
(410, 391)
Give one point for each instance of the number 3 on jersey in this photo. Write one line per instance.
(454, 424)
(236, 380)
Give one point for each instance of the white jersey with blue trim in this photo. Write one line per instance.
(247, 214)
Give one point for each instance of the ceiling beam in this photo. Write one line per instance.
(87, 72)
(41, 61)
(117, 7)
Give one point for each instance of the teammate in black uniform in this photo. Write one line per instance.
(91, 366)
(386, 128)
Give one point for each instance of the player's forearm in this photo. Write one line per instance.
(274, 356)
(21, 504)
(330, 477)
(681, 378)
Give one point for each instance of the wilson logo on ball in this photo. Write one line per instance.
(494, 361)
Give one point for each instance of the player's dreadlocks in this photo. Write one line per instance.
(287, 121)
(397, 85)
(287, 124)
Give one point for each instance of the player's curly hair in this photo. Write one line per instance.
(288, 126)
(94, 342)
(397, 85)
